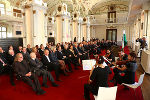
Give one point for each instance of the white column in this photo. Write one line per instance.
(35, 21)
(79, 32)
(59, 29)
(88, 32)
(39, 25)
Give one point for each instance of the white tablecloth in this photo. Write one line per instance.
(145, 61)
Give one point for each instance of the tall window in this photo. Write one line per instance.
(112, 17)
(2, 8)
(3, 32)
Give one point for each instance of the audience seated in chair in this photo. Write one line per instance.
(50, 65)
(22, 69)
(38, 68)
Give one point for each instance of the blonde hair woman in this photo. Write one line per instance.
(61, 62)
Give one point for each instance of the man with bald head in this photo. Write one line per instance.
(50, 65)
(37, 67)
(22, 69)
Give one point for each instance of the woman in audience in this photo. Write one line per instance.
(34, 49)
(74, 58)
(54, 58)
(98, 78)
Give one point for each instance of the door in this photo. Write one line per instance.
(111, 34)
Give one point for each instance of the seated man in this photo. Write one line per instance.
(51, 66)
(22, 69)
(6, 68)
(25, 54)
(37, 67)
(110, 56)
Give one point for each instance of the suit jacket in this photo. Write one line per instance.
(76, 51)
(29, 50)
(41, 52)
(45, 60)
(59, 55)
(53, 57)
(80, 50)
(10, 59)
(66, 52)
(26, 56)
(21, 68)
(35, 64)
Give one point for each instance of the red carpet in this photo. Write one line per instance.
(70, 89)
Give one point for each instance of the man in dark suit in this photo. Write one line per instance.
(29, 50)
(6, 68)
(22, 69)
(38, 68)
(10, 57)
(41, 50)
(19, 49)
(67, 55)
(25, 54)
(51, 66)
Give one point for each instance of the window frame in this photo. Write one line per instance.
(3, 31)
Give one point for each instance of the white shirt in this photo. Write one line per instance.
(48, 59)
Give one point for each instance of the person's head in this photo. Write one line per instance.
(144, 38)
(108, 51)
(54, 49)
(121, 53)
(41, 46)
(24, 50)
(132, 56)
(66, 47)
(46, 52)
(37, 46)
(28, 46)
(1, 50)
(47, 44)
(59, 48)
(34, 49)
(10, 47)
(19, 57)
(11, 52)
(32, 55)
(101, 60)
(71, 47)
(80, 44)
(20, 48)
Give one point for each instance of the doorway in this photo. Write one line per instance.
(111, 34)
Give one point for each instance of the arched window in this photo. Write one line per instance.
(3, 32)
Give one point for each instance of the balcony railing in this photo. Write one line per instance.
(109, 21)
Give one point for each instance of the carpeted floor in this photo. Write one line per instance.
(70, 89)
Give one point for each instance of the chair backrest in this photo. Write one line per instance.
(107, 93)
(141, 79)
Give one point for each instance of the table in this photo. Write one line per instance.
(145, 61)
